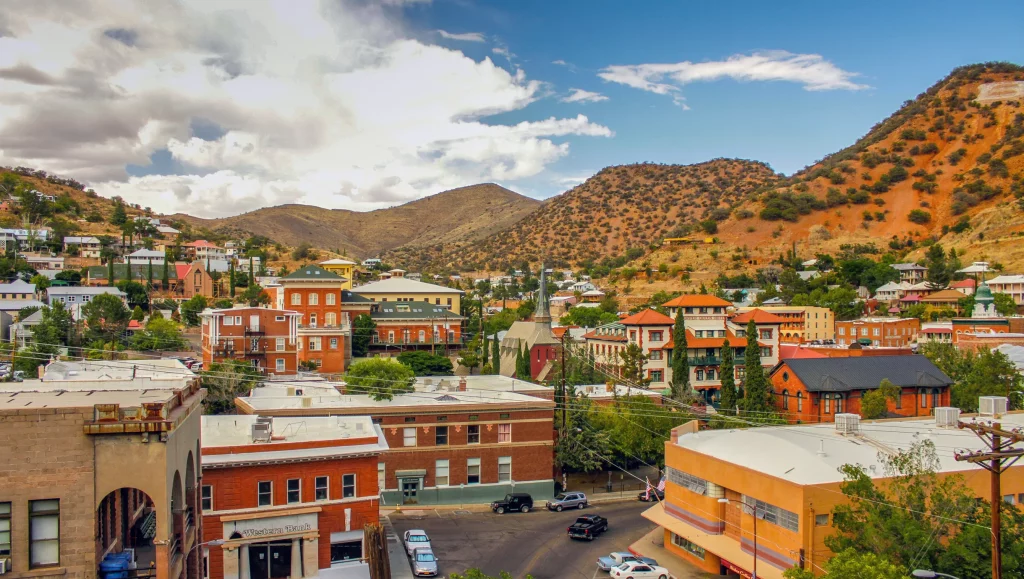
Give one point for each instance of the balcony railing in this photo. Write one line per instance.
(705, 361)
(416, 342)
(253, 331)
(224, 352)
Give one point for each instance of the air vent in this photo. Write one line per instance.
(946, 417)
(847, 423)
(994, 406)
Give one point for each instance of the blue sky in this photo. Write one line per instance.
(215, 107)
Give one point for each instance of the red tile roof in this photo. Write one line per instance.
(199, 243)
(605, 337)
(694, 342)
(760, 317)
(181, 269)
(969, 283)
(789, 351)
(648, 318)
(697, 301)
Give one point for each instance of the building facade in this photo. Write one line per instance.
(343, 268)
(325, 329)
(533, 337)
(884, 332)
(1012, 285)
(290, 496)
(267, 339)
(802, 323)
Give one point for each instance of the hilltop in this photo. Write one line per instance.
(466, 213)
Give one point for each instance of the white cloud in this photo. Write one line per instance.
(344, 111)
(810, 70)
(465, 36)
(579, 95)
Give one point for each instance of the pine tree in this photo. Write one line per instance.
(680, 361)
(496, 355)
(727, 404)
(757, 396)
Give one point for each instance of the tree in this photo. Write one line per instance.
(110, 271)
(149, 274)
(1005, 305)
(231, 278)
(938, 274)
(69, 275)
(42, 282)
(850, 564)
(727, 402)
(680, 359)
(523, 362)
(485, 355)
(159, 334)
(424, 363)
(587, 317)
(118, 216)
(380, 378)
(985, 373)
(255, 295)
(875, 403)
(106, 318)
(225, 381)
(470, 356)
(637, 429)
(496, 355)
(165, 275)
(633, 360)
(138, 315)
(137, 295)
(582, 446)
(61, 319)
(191, 308)
(757, 394)
(363, 330)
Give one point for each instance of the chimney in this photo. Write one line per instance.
(462, 383)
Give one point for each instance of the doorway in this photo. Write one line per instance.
(410, 486)
(270, 560)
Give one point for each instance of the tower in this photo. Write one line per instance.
(542, 311)
(984, 303)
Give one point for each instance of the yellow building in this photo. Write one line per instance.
(803, 323)
(403, 289)
(788, 475)
(342, 267)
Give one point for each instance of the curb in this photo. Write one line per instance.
(484, 508)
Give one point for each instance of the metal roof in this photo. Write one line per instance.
(864, 372)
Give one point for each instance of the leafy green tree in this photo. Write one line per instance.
(255, 295)
(496, 355)
(191, 308)
(137, 295)
(69, 275)
(380, 378)
(757, 394)
(225, 381)
(633, 359)
(727, 402)
(851, 564)
(159, 334)
(424, 363)
(118, 216)
(637, 429)
(470, 356)
(42, 282)
(582, 446)
(680, 359)
(137, 314)
(975, 374)
(587, 317)
(1004, 304)
(363, 330)
(875, 403)
(106, 318)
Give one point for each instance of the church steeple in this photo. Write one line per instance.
(542, 312)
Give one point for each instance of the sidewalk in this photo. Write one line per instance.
(538, 505)
(400, 566)
(653, 545)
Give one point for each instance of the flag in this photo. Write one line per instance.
(661, 485)
(647, 495)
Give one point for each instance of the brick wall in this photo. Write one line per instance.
(320, 309)
(50, 458)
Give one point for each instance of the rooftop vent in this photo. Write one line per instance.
(261, 431)
(946, 417)
(994, 406)
(446, 398)
(847, 423)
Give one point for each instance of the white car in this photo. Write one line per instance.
(639, 570)
(415, 539)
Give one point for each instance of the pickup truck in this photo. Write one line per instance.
(619, 557)
(588, 527)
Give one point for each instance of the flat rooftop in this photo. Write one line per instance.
(236, 430)
(106, 375)
(812, 454)
(34, 400)
(484, 383)
(600, 391)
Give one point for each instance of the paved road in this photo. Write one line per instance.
(534, 543)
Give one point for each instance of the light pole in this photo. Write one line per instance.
(754, 507)
(925, 574)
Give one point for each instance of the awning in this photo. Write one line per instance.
(415, 473)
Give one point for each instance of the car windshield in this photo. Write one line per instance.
(508, 498)
(625, 566)
(425, 557)
(560, 497)
(418, 539)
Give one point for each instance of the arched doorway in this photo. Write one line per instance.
(126, 522)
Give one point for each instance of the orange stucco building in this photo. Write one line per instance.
(325, 330)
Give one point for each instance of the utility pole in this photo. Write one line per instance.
(999, 456)
(565, 405)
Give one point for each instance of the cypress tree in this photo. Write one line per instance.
(149, 273)
(727, 404)
(165, 278)
(110, 271)
(495, 355)
(756, 395)
(252, 280)
(680, 362)
(231, 277)
(486, 353)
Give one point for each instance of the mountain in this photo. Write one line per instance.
(466, 213)
(620, 210)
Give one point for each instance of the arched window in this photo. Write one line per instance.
(785, 399)
(799, 401)
(935, 397)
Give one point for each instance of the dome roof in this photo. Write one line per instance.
(983, 294)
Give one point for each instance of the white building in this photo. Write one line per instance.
(144, 256)
(87, 246)
(1012, 285)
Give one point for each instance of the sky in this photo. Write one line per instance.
(215, 108)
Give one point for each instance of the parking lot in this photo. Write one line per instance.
(534, 543)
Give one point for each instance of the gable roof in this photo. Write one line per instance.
(697, 301)
(968, 283)
(647, 317)
(337, 261)
(312, 273)
(397, 285)
(864, 372)
(790, 351)
(944, 295)
(348, 296)
(19, 286)
(759, 316)
(181, 270)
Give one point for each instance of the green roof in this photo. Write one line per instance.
(312, 273)
(140, 272)
(412, 311)
(348, 297)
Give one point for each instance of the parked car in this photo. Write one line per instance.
(569, 500)
(639, 570)
(619, 557)
(415, 539)
(521, 502)
(424, 563)
(654, 495)
(588, 527)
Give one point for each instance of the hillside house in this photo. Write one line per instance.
(910, 272)
(89, 247)
(1012, 285)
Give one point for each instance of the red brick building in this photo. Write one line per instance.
(448, 444)
(884, 332)
(265, 338)
(325, 330)
(534, 337)
(289, 496)
(816, 389)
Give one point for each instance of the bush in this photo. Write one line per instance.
(929, 149)
(963, 225)
(709, 226)
(897, 174)
(913, 135)
(956, 156)
(919, 216)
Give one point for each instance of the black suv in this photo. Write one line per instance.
(521, 502)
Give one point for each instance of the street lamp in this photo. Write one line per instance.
(754, 507)
(925, 574)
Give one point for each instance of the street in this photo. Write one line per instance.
(534, 543)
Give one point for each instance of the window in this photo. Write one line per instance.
(473, 434)
(785, 399)
(700, 374)
(409, 437)
(687, 480)
(935, 397)
(348, 486)
(711, 374)
(314, 299)
(229, 321)
(503, 416)
(296, 299)
(280, 344)
(688, 546)
(381, 475)
(294, 490)
(698, 333)
(771, 513)
(924, 399)
(656, 355)
(766, 334)
(766, 352)
(330, 319)
(449, 302)
(657, 376)
(441, 473)
(346, 551)
(504, 468)
(799, 401)
(442, 418)
(278, 318)
(44, 533)
(5, 530)
(504, 433)
(441, 436)
(1009, 499)
(821, 520)
(238, 320)
(207, 503)
(899, 399)
(321, 488)
(828, 404)
(329, 299)
(656, 336)
(410, 419)
(264, 496)
(279, 364)
(473, 471)
(314, 343)
(875, 331)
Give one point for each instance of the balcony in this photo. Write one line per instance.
(254, 331)
(224, 352)
(260, 350)
(416, 342)
(704, 361)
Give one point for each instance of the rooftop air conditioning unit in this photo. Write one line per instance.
(994, 406)
(946, 417)
(847, 423)
(307, 402)
(5, 565)
(261, 432)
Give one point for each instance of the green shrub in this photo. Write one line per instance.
(919, 216)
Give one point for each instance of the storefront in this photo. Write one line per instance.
(273, 545)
